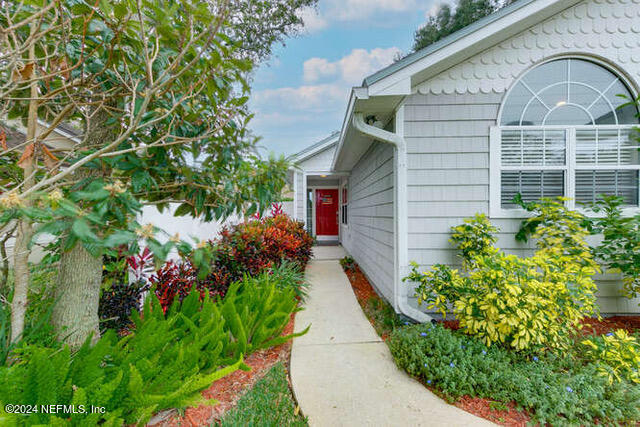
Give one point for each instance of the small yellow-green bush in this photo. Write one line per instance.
(617, 355)
(476, 236)
(522, 302)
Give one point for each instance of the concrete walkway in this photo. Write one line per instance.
(343, 374)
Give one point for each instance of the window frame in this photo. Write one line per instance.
(344, 204)
(495, 169)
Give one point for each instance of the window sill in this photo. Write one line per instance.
(519, 213)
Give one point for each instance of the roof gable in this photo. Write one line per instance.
(317, 147)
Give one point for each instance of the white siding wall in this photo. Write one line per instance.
(300, 212)
(369, 235)
(447, 139)
(320, 161)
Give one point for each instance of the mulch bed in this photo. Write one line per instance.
(229, 389)
(361, 286)
(475, 405)
(594, 326)
(481, 407)
(590, 326)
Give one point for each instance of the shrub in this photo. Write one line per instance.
(289, 275)
(522, 302)
(555, 389)
(617, 355)
(118, 302)
(247, 248)
(621, 240)
(348, 263)
(559, 230)
(256, 311)
(124, 284)
(173, 279)
(475, 237)
(252, 246)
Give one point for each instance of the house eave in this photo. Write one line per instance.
(352, 143)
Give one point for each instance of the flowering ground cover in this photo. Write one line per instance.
(507, 387)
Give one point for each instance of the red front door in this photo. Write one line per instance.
(327, 212)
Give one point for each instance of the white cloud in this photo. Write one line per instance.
(373, 11)
(290, 117)
(352, 68)
(318, 68)
(359, 9)
(314, 98)
(313, 21)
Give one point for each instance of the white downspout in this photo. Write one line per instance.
(401, 248)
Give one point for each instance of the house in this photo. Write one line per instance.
(523, 101)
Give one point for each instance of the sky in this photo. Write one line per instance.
(300, 95)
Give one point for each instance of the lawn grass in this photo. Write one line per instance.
(267, 403)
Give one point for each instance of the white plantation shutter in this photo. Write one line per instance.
(538, 147)
(531, 185)
(617, 146)
(606, 163)
(533, 164)
(582, 162)
(592, 184)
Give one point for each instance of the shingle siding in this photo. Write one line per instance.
(320, 161)
(448, 180)
(369, 235)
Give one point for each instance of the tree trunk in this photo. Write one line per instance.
(24, 233)
(75, 314)
(21, 279)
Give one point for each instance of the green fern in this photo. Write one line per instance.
(165, 363)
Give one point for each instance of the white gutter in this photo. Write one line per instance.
(401, 248)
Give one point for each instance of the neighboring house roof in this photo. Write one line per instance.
(383, 91)
(317, 147)
(62, 136)
(14, 137)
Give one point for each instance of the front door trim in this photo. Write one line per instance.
(313, 210)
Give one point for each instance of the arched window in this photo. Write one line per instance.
(566, 129)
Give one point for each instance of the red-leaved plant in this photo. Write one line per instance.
(249, 248)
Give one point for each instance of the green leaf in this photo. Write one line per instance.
(183, 210)
(55, 227)
(119, 238)
(82, 231)
(158, 249)
(100, 194)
